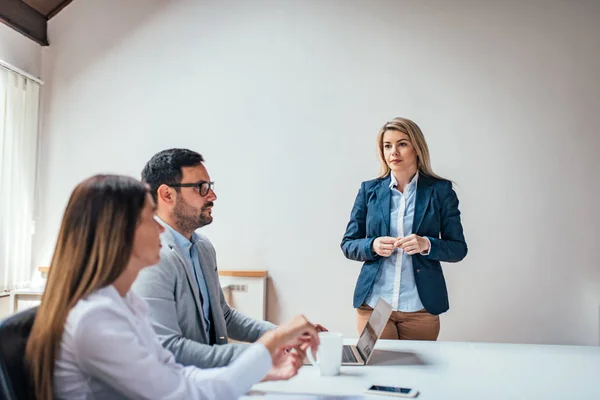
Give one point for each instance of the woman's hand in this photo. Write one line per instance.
(288, 344)
(286, 363)
(413, 244)
(384, 245)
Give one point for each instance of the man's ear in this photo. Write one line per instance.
(166, 194)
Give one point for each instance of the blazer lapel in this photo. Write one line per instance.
(183, 261)
(424, 190)
(383, 199)
(211, 276)
(208, 270)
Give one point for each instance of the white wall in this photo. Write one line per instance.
(20, 51)
(284, 99)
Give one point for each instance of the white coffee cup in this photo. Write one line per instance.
(329, 354)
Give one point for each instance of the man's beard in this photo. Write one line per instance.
(187, 219)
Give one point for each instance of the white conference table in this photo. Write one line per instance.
(460, 370)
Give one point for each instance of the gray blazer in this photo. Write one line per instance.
(176, 314)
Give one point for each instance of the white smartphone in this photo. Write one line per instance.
(392, 391)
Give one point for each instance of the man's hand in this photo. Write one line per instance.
(297, 332)
(320, 328)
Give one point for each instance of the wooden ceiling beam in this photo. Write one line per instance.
(58, 8)
(25, 19)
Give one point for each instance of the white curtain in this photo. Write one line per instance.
(19, 109)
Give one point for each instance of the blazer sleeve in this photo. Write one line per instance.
(451, 245)
(355, 245)
(242, 327)
(156, 286)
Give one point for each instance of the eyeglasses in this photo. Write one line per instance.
(203, 186)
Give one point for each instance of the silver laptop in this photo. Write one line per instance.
(361, 353)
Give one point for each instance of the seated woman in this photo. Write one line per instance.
(91, 337)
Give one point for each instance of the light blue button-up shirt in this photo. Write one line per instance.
(395, 282)
(188, 248)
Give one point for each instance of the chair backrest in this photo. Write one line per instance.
(15, 383)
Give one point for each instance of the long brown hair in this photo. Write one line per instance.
(417, 139)
(93, 248)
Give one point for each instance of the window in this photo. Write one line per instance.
(19, 110)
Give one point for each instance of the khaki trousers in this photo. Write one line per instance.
(419, 325)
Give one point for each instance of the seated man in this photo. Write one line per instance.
(187, 307)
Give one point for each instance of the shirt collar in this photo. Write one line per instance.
(133, 302)
(413, 181)
(181, 241)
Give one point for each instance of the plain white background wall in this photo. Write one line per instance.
(284, 98)
(20, 51)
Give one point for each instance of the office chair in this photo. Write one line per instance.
(14, 377)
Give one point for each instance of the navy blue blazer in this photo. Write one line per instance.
(436, 217)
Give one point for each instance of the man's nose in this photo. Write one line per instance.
(212, 196)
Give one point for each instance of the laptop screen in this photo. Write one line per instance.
(377, 321)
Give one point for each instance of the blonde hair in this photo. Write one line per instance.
(417, 139)
(93, 249)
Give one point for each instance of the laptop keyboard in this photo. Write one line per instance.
(348, 356)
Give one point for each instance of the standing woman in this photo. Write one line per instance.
(401, 226)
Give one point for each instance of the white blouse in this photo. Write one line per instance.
(110, 351)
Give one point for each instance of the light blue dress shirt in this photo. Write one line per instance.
(189, 249)
(395, 282)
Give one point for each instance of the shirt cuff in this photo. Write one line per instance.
(426, 252)
(369, 248)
